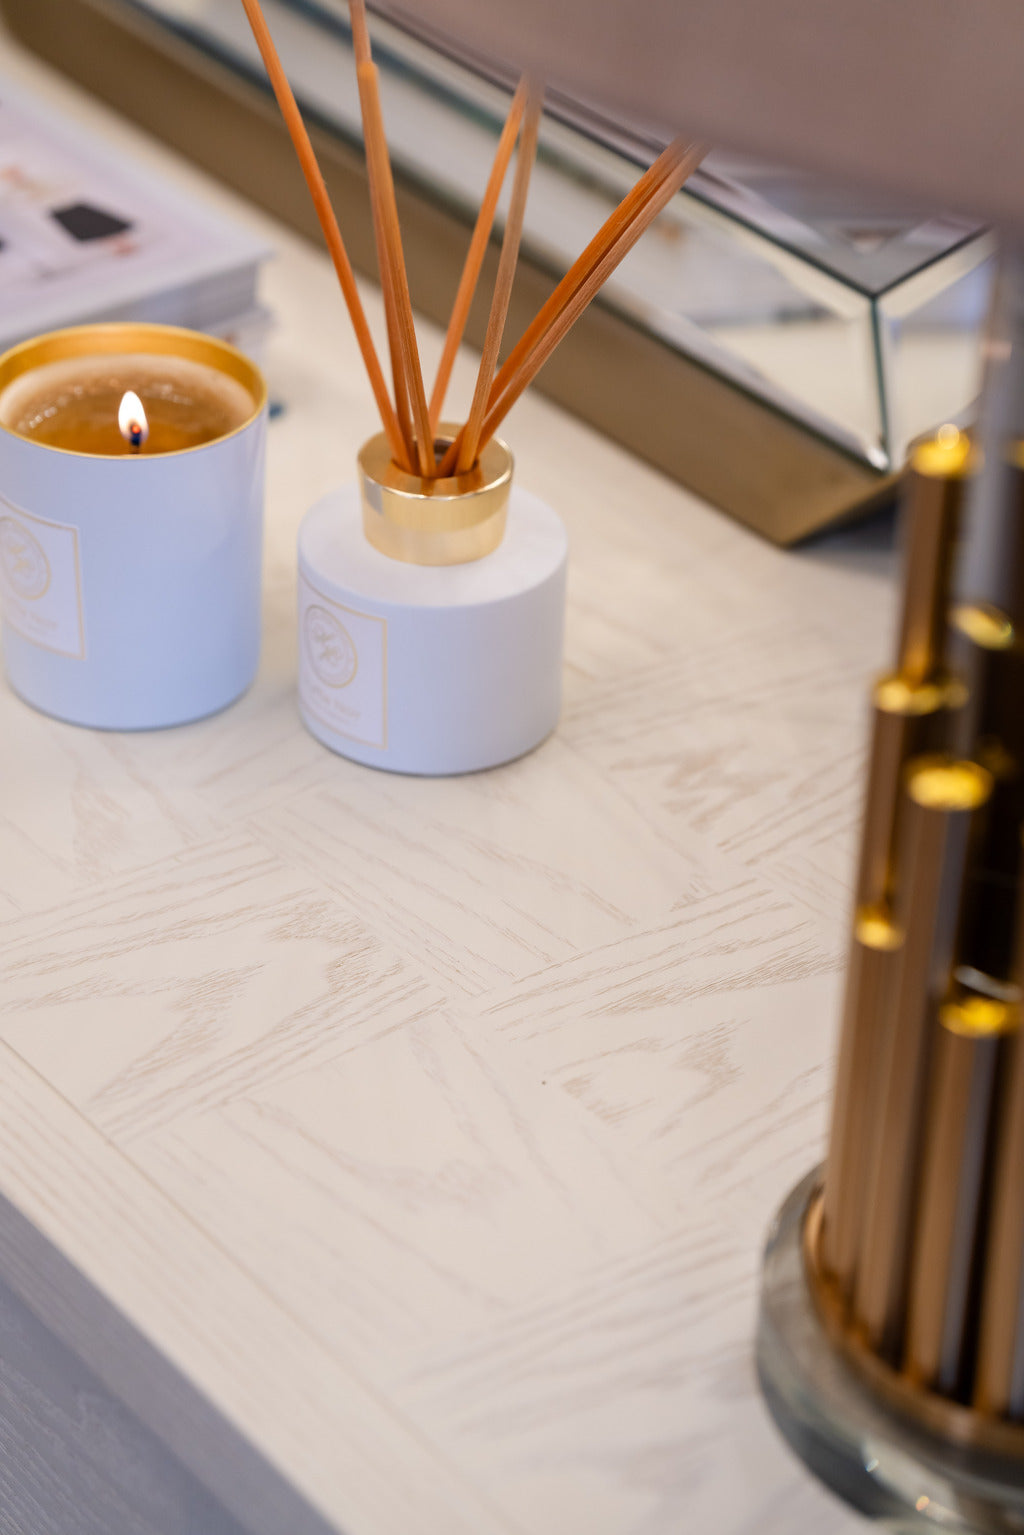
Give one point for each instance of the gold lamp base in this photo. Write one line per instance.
(876, 1442)
(936, 1414)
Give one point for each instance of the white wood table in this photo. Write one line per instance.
(430, 1128)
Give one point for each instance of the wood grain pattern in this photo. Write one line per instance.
(430, 1129)
(581, 1403)
(429, 1185)
(90, 811)
(193, 983)
(492, 876)
(354, 1454)
(765, 761)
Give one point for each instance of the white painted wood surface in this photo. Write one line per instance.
(432, 1127)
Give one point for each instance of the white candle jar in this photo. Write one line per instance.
(130, 585)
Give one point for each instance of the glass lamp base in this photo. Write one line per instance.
(890, 1468)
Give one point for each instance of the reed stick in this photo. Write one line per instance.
(397, 369)
(363, 55)
(382, 192)
(408, 352)
(325, 213)
(476, 253)
(504, 279)
(579, 286)
(634, 200)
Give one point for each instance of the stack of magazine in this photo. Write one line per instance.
(85, 235)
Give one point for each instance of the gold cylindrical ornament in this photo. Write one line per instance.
(891, 1342)
(939, 470)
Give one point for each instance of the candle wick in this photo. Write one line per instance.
(135, 436)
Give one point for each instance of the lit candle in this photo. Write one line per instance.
(76, 404)
(131, 510)
(132, 421)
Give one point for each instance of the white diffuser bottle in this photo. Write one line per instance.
(431, 617)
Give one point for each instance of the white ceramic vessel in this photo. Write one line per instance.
(431, 669)
(130, 586)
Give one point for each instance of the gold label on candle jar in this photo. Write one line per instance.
(40, 581)
(343, 667)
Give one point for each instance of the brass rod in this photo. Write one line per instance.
(867, 1021)
(986, 633)
(938, 470)
(946, 1231)
(998, 1387)
(992, 890)
(908, 721)
(942, 795)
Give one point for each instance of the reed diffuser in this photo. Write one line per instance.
(410, 426)
(453, 662)
(891, 1345)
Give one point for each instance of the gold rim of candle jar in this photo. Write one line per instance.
(122, 338)
(434, 522)
(940, 1415)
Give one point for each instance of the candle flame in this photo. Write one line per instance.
(131, 418)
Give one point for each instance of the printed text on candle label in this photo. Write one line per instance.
(343, 667)
(41, 581)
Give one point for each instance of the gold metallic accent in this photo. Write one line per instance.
(951, 1420)
(896, 695)
(979, 1017)
(939, 783)
(949, 454)
(984, 624)
(874, 928)
(435, 522)
(126, 336)
(914, 1246)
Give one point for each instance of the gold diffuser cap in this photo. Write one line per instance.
(434, 522)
